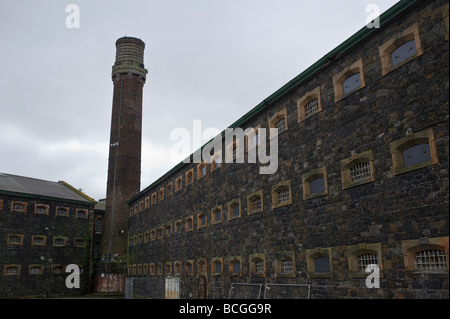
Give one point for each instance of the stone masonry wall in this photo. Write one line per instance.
(390, 215)
(47, 255)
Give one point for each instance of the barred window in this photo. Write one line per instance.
(59, 242)
(281, 125)
(81, 214)
(18, 207)
(40, 210)
(12, 270)
(257, 203)
(365, 260)
(312, 107)
(431, 259)
(287, 266)
(283, 196)
(259, 266)
(14, 239)
(38, 241)
(360, 172)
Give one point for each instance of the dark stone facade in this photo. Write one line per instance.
(392, 216)
(48, 255)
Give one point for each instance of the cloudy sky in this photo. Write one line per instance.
(208, 60)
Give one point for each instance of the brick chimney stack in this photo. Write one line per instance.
(124, 163)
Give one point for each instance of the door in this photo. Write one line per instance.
(201, 288)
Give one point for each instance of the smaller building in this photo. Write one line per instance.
(44, 227)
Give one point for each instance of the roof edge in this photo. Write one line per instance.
(385, 18)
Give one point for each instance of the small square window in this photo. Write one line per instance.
(357, 169)
(281, 194)
(62, 211)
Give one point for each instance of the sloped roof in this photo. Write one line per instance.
(22, 185)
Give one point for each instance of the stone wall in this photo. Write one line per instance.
(47, 255)
(389, 215)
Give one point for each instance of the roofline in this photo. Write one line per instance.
(385, 18)
(66, 200)
(78, 191)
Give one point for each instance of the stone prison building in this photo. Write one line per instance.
(362, 179)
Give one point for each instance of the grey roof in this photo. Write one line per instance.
(39, 187)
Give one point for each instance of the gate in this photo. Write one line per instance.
(172, 288)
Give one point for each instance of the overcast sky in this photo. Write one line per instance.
(208, 60)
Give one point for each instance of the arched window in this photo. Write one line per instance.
(351, 83)
(287, 265)
(403, 52)
(431, 259)
(416, 154)
(416, 150)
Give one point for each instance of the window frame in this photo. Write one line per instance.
(312, 255)
(282, 257)
(311, 176)
(231, 268)
(354, 251)
(232, 203)
(275, 194)
(254, 258)
(386, 49)
(214, 262)
(355, 159)
(188, 173)
(250, 200)
(340, 78)
(399, 146)
(273, 120)
(24, 206)
(413, 246)
(214, 221)
(199, 220)
(303, 102)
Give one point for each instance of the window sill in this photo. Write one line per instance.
(401, 170)
(347, 185)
